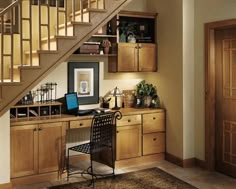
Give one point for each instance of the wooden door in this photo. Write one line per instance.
(127, 57)
(147, 57)
(50, 146)
(24, 150)
(128, 142)
(225, 116)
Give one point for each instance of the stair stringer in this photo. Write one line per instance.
(48, 61)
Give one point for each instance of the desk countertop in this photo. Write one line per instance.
(66, 117)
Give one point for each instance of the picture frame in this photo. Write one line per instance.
(83, 78)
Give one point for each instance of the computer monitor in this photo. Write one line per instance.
(72, 104)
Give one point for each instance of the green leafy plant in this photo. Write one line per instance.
(145, 89)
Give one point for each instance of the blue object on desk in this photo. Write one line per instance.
(72, 105)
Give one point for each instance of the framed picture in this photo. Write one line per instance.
(83, 78)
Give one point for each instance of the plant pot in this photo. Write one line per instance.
(106, 50)
(147, 101)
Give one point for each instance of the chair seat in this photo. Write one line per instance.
(84, 148)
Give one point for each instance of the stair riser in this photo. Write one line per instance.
(70, 31)
(78, 18)
(53, 45)
(35, 59)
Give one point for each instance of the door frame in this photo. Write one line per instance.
(210, 88)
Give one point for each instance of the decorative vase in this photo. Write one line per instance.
(147, 101)
(106, 50)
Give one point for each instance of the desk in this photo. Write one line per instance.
(140, 136)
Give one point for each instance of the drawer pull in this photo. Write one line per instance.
(81, 124)
(154, 118)
(154, 139)
(40, 129)
(34, 129)
(129, 120)
(117, 131)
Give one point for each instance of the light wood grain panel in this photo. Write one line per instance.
(153, 143)
(50, 146)
(153, 122)
(128, 142)
(80, 123)
(24, 148)
(129, 120)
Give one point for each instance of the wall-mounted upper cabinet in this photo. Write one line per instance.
(137, 45)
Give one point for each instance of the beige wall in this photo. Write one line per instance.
(188, 79)
(205, 11)
(170, 72)
(5, 148)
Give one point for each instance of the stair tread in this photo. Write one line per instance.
(86, 10)
(59, 37)
(42, 52)
(75, 23)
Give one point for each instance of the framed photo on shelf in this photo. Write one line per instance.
(83, 78)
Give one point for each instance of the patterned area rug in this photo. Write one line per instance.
(152, 178)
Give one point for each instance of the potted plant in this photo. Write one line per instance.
(145, 94)
(106, 44)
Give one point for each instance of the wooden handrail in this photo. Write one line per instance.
(9, 7)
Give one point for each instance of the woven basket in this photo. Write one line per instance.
(129, 98)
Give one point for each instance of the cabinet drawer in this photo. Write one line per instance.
(153, 143)
(129, 120)
(153, 122)
(80, 123)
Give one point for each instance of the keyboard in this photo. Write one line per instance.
(84, 112)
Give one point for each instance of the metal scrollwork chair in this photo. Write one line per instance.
(102, 135)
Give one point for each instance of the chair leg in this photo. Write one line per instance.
(92, 174)
(68, 164)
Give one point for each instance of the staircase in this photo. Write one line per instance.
(35, 38)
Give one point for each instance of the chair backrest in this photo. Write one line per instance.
(102, 129)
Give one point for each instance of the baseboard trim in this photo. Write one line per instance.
(186, 163)
(138, 160)
(6, 186)
(201, 163)
(32, 179)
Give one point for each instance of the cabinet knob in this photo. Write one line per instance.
(117, 131)
(154, 118)
(81, 124)
(154, 139)
(34, 129)
(40, 129)
(129, 120)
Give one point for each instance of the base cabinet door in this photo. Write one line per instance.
(24, 150)
(153, 143)
(128, 142)
(38, 148)
(51, 138)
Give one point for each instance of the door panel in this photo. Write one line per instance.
(50, 146)
(225, 117)
(24, 150)
(147, 57)
(127, 57)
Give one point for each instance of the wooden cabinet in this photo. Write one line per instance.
(153, 133)
(136, 57)
(137, 45)
(24, 150)
(128, 137)
(37, 148)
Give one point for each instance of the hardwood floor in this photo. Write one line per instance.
(196, 176)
